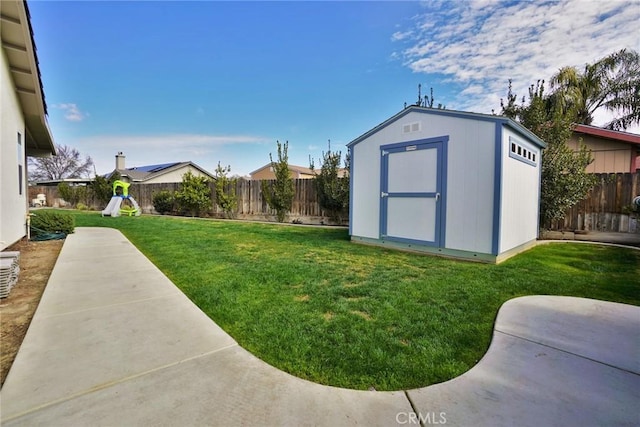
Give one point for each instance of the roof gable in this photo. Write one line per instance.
(453, 113)
(145, 173)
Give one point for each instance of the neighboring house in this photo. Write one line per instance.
(613, 151)
(297, 172)
(158, 174)
(24, 130)
(446, 182)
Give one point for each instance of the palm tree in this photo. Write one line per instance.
(612, 82)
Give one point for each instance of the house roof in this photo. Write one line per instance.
(294, 168)
(20, 49)
(145, 173)
(300, 169)
(616, 135)
(517, 127)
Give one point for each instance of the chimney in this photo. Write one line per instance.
(120, 161)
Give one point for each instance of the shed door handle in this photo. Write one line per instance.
(437, 196)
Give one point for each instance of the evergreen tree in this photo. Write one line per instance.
(279, 195)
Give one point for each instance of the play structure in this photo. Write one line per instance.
(121, 203)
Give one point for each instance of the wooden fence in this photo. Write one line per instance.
(606, 208)
(251, 204)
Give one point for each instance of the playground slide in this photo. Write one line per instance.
(113, 208)
(135, 206)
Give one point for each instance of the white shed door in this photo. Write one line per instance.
(412, 193)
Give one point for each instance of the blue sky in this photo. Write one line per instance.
(222, 81)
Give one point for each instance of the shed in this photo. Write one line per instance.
(451, 183)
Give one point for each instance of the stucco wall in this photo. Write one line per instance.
(13, 206)
(176, 176)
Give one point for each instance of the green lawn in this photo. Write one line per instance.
(311, 303)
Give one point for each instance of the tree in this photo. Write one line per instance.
(279, 196)
(333, 190)
(194, 195)
(612, 82)
(427, 101)
(67, 163)
(564, 178)
(226, 197)
(102, 187)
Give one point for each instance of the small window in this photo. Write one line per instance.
(20, 157)
(520, 152)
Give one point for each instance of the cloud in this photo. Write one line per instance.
(72, 112)
(400, 35)
(312, 147)
(478, 45)
(194, 143)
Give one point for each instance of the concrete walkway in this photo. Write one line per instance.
(115, 343)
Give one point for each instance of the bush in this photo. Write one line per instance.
(52, 222)
(194, 195)
(163, 202)
(82, 207)
(73, 195)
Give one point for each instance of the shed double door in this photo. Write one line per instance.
(413, 192)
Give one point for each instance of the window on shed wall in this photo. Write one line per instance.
(521, 153)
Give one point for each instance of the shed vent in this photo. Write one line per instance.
(411, 127)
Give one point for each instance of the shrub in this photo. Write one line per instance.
(194, 195)
(163, 202)
(333, 190)
(279, 195)
(82, 207)
(226, 196)
(52, 222)
(73, 195)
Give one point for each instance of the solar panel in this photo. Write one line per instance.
(154, 168)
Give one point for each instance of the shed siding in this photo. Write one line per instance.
(519, 210)
(13, 208)
(470, 183)
(470, 180)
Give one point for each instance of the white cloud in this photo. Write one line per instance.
(481, 44)
(401, 35)
(205, 150)
(72, 112)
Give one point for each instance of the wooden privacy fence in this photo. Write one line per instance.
(251, 203)
(607, 207)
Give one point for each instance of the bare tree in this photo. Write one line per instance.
(68, 163)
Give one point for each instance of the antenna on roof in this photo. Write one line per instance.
(419, 103)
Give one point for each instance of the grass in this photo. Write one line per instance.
(311, 303)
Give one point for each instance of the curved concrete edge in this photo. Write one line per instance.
(553, 360)
(139, 352)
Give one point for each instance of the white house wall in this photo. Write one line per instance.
(175, 176)
(519, 211)
(470, 177)
(13, 206)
